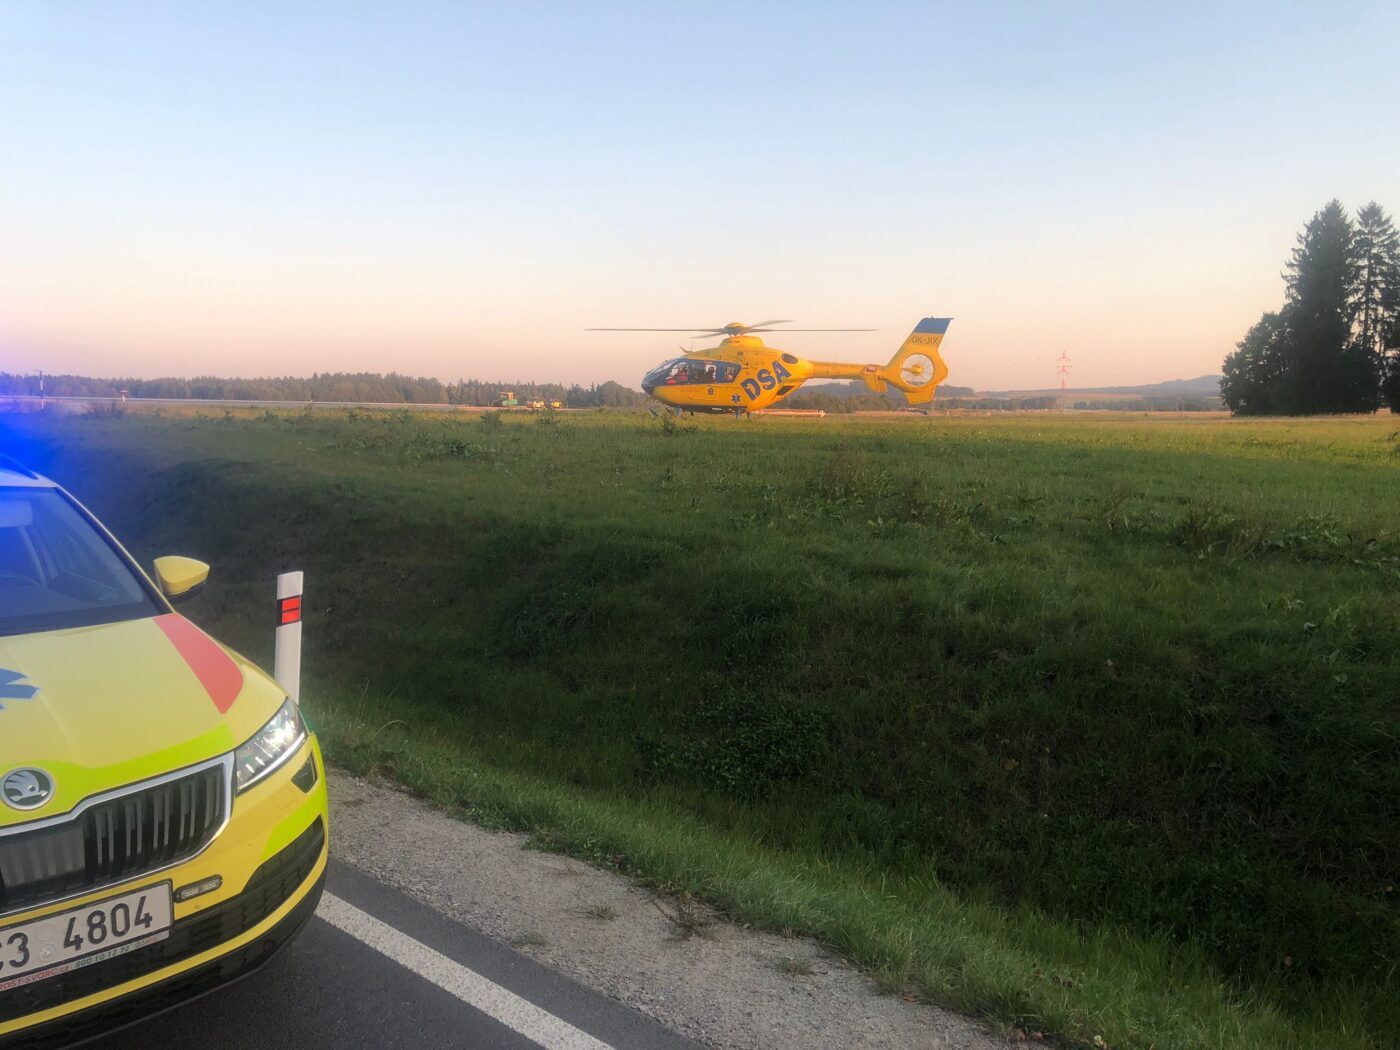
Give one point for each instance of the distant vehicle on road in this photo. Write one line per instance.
(162, 802)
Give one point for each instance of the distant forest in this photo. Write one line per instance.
(856, 397)
(395, 389)
(328, 386)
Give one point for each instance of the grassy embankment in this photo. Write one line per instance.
(1087, 724)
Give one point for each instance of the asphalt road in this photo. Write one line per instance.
(376, 969)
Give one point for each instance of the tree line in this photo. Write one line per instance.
(371, 387)
(1334, 345)
(838, 398)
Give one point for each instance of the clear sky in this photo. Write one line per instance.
(458, 189)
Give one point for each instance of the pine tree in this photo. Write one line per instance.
(1376, 297)
(1254, 374)
(1327, 371)
(1390, 388)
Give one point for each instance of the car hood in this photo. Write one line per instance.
(100, 707)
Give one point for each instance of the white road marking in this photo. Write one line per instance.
(490, 998)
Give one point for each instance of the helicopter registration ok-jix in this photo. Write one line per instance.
(741, 374)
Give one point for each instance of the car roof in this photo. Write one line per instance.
(16, 475)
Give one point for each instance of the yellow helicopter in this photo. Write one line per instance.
(742, 375)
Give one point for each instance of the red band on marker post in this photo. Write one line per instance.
(287, 661)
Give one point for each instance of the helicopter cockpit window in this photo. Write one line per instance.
(711, 371)
(686, 372)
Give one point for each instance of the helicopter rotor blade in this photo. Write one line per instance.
(734, 329)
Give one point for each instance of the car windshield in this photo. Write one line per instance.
(57, 571)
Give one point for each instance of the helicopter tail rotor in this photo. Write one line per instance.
(916, 367)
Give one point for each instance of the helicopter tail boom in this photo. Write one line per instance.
(916, 367)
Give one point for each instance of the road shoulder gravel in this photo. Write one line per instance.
(718, 983)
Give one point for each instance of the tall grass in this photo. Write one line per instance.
(992, 705)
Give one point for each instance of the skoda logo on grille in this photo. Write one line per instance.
(26, 788)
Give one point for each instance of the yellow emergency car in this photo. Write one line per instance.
(162, 801)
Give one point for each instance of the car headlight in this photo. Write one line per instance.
(269, 747)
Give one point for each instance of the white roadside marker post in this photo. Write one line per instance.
(286, 663)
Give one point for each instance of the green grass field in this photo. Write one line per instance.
(1086, 723)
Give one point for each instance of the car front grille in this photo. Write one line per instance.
(269, 888)
(113, 839)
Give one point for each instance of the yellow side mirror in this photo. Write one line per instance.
(180, 578)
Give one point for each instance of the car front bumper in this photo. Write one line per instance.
(272, 860)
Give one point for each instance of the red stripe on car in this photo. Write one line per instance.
(214, 668)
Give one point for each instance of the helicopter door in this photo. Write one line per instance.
(699, 379)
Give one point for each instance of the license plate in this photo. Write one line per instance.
(57, 944)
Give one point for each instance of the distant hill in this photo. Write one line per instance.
(1192, 395)
(1201, 386)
